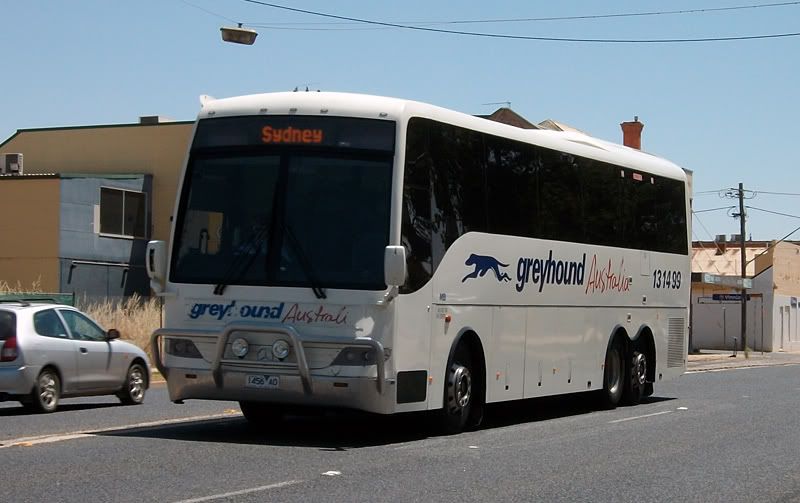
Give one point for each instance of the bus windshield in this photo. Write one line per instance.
(315, 217)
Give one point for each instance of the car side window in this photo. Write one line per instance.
(48, 324)
(82, 328)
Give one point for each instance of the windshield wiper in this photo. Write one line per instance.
(304, 262)
(249, 253)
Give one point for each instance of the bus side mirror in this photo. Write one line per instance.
(394, 265)
(156, 263)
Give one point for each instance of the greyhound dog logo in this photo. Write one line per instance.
(484, 263)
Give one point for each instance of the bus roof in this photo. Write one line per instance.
(400, 110)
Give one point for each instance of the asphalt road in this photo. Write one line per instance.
(709, 436)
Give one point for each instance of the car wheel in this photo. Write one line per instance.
(613, 372)
(459, 393)
(46, 391)
(132, 392)
(260, 413)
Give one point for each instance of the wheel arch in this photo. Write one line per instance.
(618, 332)
(472, 341)
(54, 368)
(146, 368)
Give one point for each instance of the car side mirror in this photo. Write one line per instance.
(394, 265)
(113, 333)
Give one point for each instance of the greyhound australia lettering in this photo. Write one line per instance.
(550, 271)
(211, 310)
(219, 311)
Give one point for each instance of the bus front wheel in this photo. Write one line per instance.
(459, 393)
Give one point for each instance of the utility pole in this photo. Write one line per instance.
(744, 267)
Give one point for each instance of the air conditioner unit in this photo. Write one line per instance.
(12, 164)
(721, 238)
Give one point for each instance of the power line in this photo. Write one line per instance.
(524, 37)
(777, 193)
(713, 209)
(707, 192)
(208, 11)
(556, 18)
(773, 212)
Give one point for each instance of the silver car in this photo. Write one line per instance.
(49, 351)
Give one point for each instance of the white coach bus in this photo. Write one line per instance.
(372, 253)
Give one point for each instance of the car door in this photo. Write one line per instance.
(96, 371)
(53, 346)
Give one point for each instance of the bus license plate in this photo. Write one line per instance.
(263, 381)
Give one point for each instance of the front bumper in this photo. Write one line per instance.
(299, 385)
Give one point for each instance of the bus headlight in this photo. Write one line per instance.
(280, 349)
(239, 347)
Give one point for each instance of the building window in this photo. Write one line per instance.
(122, 212)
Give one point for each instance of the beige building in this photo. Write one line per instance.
(771, 307)
(73, 182)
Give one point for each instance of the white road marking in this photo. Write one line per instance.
(332, 473)
(683, 408)
(60, 437)
(640, 417)
(243, 491)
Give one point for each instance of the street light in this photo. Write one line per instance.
(238, 35)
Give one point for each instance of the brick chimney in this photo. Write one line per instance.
(632, 133)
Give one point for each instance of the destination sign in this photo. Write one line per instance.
(296, 130)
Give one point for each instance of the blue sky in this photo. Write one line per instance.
(728, 111)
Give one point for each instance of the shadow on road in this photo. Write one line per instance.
(22, 411)
(344, 430)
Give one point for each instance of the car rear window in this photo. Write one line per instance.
(8, 324)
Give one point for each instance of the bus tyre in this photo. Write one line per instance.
(636, 378)
(613, 372)
(261, 414)
(459, 394)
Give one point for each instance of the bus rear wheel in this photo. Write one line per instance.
(459, 393)
(636, 378)
(613, 372)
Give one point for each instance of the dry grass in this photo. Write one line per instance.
(135, 317)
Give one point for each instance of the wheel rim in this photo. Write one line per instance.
(639, 371)
(460, 389)
(613, 371)
(136, 384)
(48, 390)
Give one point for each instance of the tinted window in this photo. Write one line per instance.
(457, 180)
(417, 189)
(284, 216)
(48, 324)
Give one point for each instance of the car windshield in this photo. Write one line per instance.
(8, 324)
(310, 217)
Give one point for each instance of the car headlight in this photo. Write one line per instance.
(280, 349)
(240, 347)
